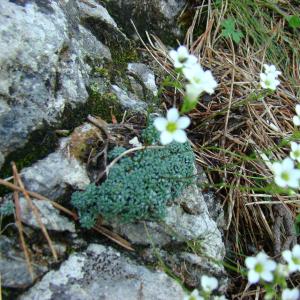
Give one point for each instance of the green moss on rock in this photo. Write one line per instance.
(138, 187)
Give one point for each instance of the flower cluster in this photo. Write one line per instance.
(199, 81)
(287, 172)
(269, 78)
(262, 268)
(208, 284)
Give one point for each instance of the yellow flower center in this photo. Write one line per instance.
(182, 59)
(285, 176)
(259, 268)
(296, 153)
(171, 127)
(296, 260)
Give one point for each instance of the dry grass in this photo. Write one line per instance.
(236, 129)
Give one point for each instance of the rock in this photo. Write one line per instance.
(103, 273)
(187, 222)
(52, 175)
(128, 100)
(48, 54)
(28, 73)
(13, 267)
(1, 159)
(91, 47)
(215, 209)
(95, 17)
(155, 16)
(145, 75)
(50, 216)
(178, 226)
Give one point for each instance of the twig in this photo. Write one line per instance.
(20, 230)
(34, 210)
(38, 197)
(109, 234)
(106, 171)
(114, 237)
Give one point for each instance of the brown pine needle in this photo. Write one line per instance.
(114, 237)
(34, 210)
(109, 234)
(20, 230)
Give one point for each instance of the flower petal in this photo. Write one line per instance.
(166, 138)
(280, 182)
(160, 123)
(180, 136)
(287, 255)
(267, 276)
(296, 250)
(172, 114)
(250, 262)
(183, 122)
(298, 109)
(253, 277)
(270, 265)
(287, 164)
(296, 120)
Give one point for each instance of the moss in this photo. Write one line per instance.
(138, 187)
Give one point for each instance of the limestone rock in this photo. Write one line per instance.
(145, 75)
(13, 267)
(47, 57)
(50, 216)
(155, 16)
(103, 273)
(128, 100)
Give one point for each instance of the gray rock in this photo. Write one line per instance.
(103, 273)
(90, 46)
(1, 159)
(188, 266)
(13, 267)
(31, 41)
(156, 16)
(50, 216)
(187, 222)
(128, 100)
(46, 62)
(92, 9)
(145, 75)
(52, 175)
(96, 17)
(179, 226)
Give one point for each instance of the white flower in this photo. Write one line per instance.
(171, 128)
(271, 69)
(285, 173)
(282, 270)
(135, 142)
(260, 267)
(292, 258)
(193, 296)
(209, 283)
(181, 58)
(201, 79)
(296, 119)
(295, 153)
(219, 298)
(269, 81)
(288, 294)
(192, 92)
